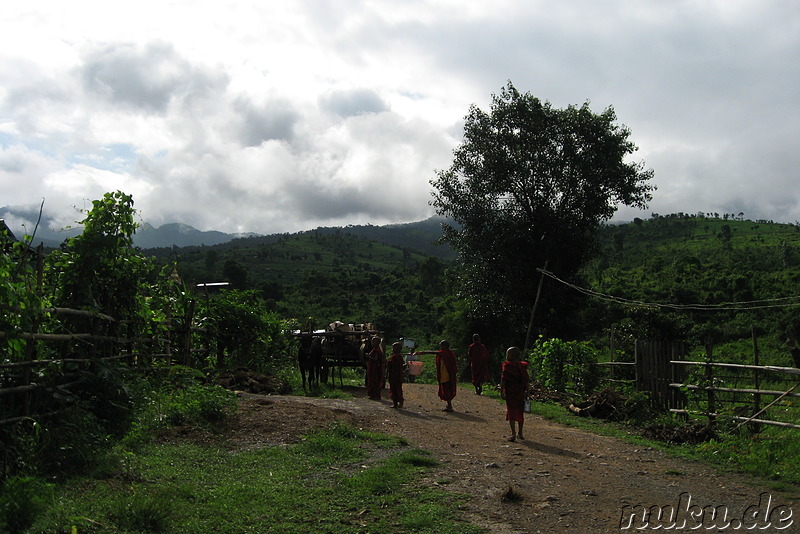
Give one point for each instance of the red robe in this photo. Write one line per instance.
(514, 382)
(446, 374)
(479, 363)
(376, 379)
(395, 369)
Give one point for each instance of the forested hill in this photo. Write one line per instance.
(391, 276)
(681, 238)
(420, 236)
(684, 260)
(352, 274)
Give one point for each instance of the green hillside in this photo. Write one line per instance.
(690, 236)
(685, 268)
(327, 274)
(706, 278)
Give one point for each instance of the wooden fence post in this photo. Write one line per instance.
(711, 404)
(187, 333)
(168, 340)
(678, 375)
(756, 380)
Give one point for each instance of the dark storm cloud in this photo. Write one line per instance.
(319, 202)
(272, 121)
(145, 77)
(353, 102)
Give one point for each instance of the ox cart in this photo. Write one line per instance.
(339, 345)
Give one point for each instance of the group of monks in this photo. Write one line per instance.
(514, 378)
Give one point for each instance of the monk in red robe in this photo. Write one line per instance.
(376, 363)
(478, 363)
(446, 372)
(395, 369)
(514, 382)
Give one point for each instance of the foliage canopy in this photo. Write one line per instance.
(532, 183)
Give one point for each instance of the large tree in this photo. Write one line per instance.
(531, 184)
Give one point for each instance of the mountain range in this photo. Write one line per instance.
(417, 235)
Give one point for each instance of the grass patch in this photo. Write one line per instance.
(330, 482)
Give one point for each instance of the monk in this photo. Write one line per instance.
(446, 372)
(514, 383)
(375, 370)
(395, 370)
(478, 363)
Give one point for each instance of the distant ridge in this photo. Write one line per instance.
(179, 235)
(22, 221)
(420, 236)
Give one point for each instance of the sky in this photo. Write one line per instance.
(271, 117)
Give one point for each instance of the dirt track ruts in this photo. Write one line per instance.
(569, 480)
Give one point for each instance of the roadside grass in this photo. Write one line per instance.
(771, 455)
(337, 480)
(333, 389)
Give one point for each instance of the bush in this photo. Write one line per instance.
(199, 405)
(561, 365)
(171, 405)
(22, 499)
(67, 444)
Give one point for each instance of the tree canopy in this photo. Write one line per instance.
(532, 183)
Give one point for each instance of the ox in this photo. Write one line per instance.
(311, 361)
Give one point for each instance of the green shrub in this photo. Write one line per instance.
(199, 404)
(59, 446)
(168, 405)
(22, 499)
(562, 365)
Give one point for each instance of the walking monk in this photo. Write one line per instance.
(376, 379)
(446, 372)
(514, 382)
(395, 369)
(478, 363)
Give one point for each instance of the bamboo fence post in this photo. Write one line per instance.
(710, 401)
(768, 405)
(168, 340)
(187, 333)
(612, 352)
(756, 381)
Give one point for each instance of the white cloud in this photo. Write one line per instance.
(271, 117)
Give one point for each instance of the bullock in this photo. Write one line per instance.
(311, 361)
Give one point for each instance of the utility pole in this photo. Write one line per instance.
(535, 304)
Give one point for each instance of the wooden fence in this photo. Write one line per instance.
(745, 402)
(709, 389)
(50, 366)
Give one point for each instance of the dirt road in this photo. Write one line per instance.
(566, 480)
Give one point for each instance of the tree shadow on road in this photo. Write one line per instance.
(547, 449)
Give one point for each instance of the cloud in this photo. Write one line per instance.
(272, 121)
(353, 102)
(146, 78)
(272, 117)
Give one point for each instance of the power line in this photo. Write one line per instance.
(782, 302)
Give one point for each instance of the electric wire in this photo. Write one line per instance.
(780, 302)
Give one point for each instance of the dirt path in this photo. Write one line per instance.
(568, 480)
